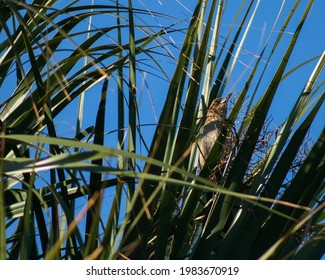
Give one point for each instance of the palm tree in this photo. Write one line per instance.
(88, 173)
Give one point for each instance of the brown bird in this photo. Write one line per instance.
(215, 120)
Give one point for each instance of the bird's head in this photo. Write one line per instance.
(218, 108)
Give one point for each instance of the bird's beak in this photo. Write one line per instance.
(225, 99)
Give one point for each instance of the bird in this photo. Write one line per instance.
(214, 122)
